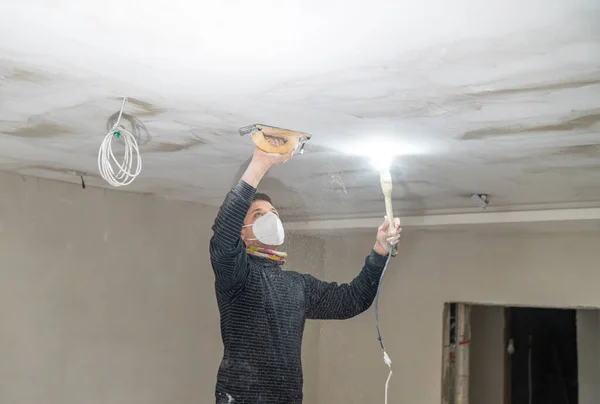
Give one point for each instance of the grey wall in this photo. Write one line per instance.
(107, 297)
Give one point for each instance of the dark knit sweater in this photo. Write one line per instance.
(263, 310)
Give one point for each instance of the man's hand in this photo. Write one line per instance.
(261, 162)
(387, 237)
(271, 159)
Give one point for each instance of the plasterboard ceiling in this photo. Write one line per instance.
(500, 98)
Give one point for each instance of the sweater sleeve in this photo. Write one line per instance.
(227, 251)
(330, 301)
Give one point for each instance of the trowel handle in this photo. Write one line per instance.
(293, 139)
(259, 140)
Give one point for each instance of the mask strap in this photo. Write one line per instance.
(249, 225)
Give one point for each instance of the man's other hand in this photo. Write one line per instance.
(387, 237)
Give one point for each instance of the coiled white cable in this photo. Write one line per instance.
(117, 173)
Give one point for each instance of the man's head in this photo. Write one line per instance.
(261, 206)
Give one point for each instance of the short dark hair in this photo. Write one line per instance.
(262, 197)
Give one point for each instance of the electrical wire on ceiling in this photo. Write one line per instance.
(119, 173)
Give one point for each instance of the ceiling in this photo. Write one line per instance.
(500, 98)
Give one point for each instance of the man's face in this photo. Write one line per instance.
(257, 209)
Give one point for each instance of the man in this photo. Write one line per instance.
(263, 308)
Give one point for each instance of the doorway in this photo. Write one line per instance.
(542, 355)
(496, 354)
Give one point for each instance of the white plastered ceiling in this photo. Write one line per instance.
(495, 97)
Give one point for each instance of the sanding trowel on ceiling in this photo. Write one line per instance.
(260, 133)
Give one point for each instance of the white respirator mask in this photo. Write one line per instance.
(268, 229)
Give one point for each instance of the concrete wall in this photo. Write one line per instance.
(501, 268)
(107, 297)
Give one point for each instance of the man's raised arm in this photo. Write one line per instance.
(227, 250)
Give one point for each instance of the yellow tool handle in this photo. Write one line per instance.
(262, 143)
(260, 133)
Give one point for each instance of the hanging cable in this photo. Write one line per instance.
(386, 357)
(118, 173)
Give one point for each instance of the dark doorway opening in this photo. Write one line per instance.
(543, 356)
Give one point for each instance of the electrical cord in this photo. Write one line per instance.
(124, 174)
(386, 357)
